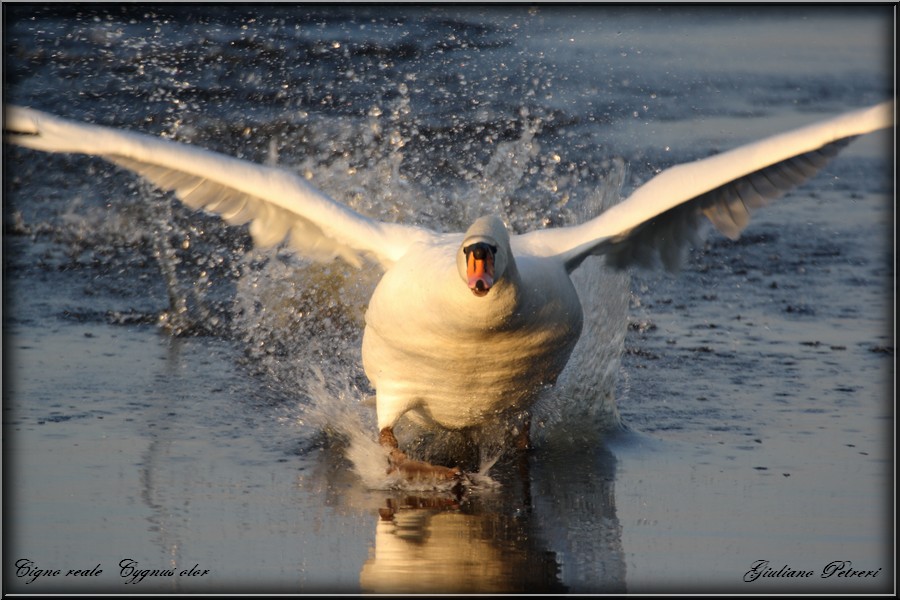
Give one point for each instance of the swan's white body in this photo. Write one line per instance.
(432, 346)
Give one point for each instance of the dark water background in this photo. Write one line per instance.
(175, 398)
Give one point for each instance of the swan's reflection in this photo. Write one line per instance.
(438, 544)
(557, 532)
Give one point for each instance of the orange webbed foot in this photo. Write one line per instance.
(414, 470)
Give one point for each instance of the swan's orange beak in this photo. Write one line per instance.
(480, 268)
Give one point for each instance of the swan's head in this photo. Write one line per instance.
(484, 255)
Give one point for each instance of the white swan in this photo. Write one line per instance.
(465, 328)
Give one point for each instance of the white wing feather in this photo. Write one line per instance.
(276, 202)
(663, 213)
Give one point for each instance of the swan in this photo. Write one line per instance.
(464, 329)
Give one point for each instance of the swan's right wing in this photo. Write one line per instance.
(663, 214)
(728, 208)
(277, 203)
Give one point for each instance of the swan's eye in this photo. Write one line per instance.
(480, 250)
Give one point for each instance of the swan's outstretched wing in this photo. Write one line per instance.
(276, 202)
(663, 214)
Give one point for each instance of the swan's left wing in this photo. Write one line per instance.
(661, 216)
(277, 203)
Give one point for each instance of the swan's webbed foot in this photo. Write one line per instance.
(414, 470)
(417, 470)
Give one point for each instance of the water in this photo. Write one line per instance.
(176, 398)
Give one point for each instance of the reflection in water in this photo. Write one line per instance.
(440, 545)
(550, 529)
